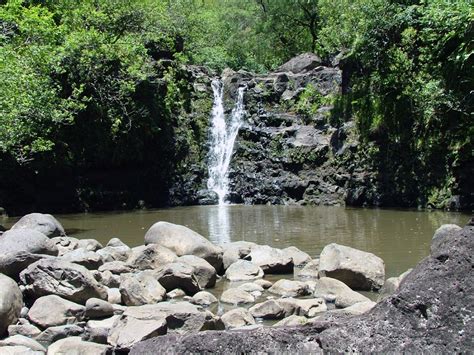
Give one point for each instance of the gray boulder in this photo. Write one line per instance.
(442, 234)
(97, 308)
(178, 275)
(19, 350)
(21, 340)
(58, 277)
(116, 267)
(392, 284)
(235, 251)
(344, 296)
(357, 308)
(89, 244)
(309, 307)
(301, 63)
(292, 321)
(43, 223)
(52, 334)
(204, 298)
(65, 244)
(299, 257)
(289, 288)
(106, 278)
(237, 318)
(98, 331)
(84, 257)
(357, 269)
(184, 241)
(21, 247)
(309, 271)
(204, 272)
(236, 296)
(267, 310)
(49, 311)
(118, 253)
(263, 283)
(176, 293)
(75, 345)
(27, 330)
(114, 296)
(140, 289)
(11, 302)
(243, 270)
(271, 260)
(151, 256)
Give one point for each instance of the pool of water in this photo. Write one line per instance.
(401, 238)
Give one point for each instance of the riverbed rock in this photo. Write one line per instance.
(151, 256)
(243, 270)
(184, 241)
(442, 233)
(43, 223)
(309, 271)
(65, 244)
(254, 289)
(75, 345)
(11, 302)
(52, 334)
(271, 260)
(52, 310)
(97, 331)
(176, 293)
(300, 258)
(309, 307)
(270, 309)
(116, 267)
(263, 283)
(289, 288)
(106, 278)
(114, 296)
(21, 340)
(237, 318)
(236, 296)
(204, 272)
(291, 321)
(391, 285)
(58, 277)
(21, 247)
(357, 269)
(89, 244)
(140, 289)
(97, 308)
(118, 253)
(28, 330)
(204, 298)
(84, 257)
(178, 275)
(357, 308)
(344, 296)
(235, 251)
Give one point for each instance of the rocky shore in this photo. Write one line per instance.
(59, 294)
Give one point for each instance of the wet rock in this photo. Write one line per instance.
(75, 345)
(204, 298)
(21, 340)
(252, 288)
(391, 285)
(21, 247)
(235, 251)
(97, 308)
(151, 256)
(97, 331)
(271, 260)
(84, 257)
(184, 241)
(11, 302)
(270, 309)
(357, 269)
(49, 311)
(203, 271)
(243, 270)
(236, 318)
(53, 334)
(299, 257)
(309, 307)
(289, 288)
(140, 289)
(27, 330)
(236, 296)
(345, 297)
(57, 277)
(292, 321)
(43, 223)
(178, 275)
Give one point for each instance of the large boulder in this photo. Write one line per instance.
(357, 269)
(98, 330)
(84, 257)
(391, 284)
(21, 340)
(140, 289)
(75, 345)
(271, 260)
(43, 223)
(21, 247)
(270, 309)
(52, 334)
(327, 287)
(301, 63)
(97, 308)
(235, 251)
(58, 277)
(11, 302)
(236, 318)
(184, 241)
(299, 257)
(442, 234)
(49, 311)
(236, 296)
(27, 329)
(243, 270)
(151, 256)
(309, 307)
(290, 288)
(204, 298)
(309, 270)
(115, 253)
(178, 275)
(203, 271)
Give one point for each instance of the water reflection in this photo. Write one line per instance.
(218, 222)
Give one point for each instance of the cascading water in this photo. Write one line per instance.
(222, 139)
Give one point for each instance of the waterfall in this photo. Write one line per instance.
(222, 139)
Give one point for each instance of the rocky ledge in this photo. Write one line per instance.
(60, 294)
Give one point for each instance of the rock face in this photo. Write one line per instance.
(415, 319)
(357, 269)
(57, 277)
(184, 241)
(11, 302)
(43, 223)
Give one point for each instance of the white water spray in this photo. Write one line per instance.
(223, 136)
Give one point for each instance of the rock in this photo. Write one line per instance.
(21, 247)
(357, 308)
(236, 296)
(184, 241)
(58, 277)
(267, 310)
(43, 223)
(97, 308)
(235, 251)
(264, 283)
(89, 244)
(176, 293)
(178, 275)
(309, 307)
(203, 271)
(97, 331)
(292, 321)
(442, 234)
(53, 334)
(243, 270)
(299, 257)
(65, 244)
(116, 267)
(357, 269)
(151, 256)
(271, 260)
(75, 345)
(301, 63)
(11, 302)
(21, 340)
(345, 297)
(309, 271)
(289, 288)
(236, 318)
(116, 243)
(119, 253)
(49, 311)
(19, 350)
(251, 287)
(204, 298)
(28, 330)
(106, 278)
(391, 285)
(114, 296)
(140, 289)
(84, 257)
